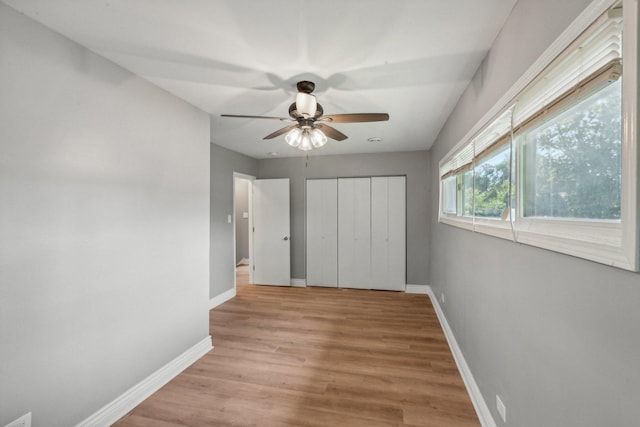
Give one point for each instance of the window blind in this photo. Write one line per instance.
(459, 162)
(494, 135)
(592, 60)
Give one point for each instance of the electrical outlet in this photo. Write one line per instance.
(23, 421)
(442, 298)
(502, 410)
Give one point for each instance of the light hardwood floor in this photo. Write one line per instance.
(316, 357)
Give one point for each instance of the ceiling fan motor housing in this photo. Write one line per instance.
(306, 86)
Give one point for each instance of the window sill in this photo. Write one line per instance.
(456, 221)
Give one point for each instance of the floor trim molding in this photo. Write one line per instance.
(128, 400)
(484, 414)
(417, 289)
(223, 297)
(299, 283)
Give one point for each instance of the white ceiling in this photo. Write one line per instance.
(411, 59)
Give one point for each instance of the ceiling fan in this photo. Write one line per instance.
(310, 128)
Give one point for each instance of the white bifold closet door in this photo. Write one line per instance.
(388, 233)
(322, 232)
(354, 233)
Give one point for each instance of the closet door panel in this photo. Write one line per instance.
(329, 213)
(346, 232)
(379, 232)
(362, 226)
(322, 220)
(397, 247)
(354, 233)
(314, 232)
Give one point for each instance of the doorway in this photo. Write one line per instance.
(242, 225)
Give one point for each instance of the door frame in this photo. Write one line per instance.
(249, 178)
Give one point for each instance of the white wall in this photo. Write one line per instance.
(104, 226)
(556, 337)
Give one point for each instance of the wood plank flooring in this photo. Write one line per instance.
(316, 357)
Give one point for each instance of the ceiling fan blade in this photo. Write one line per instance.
(284, 119)
(355, 117)
(280, 132)
(332, 133)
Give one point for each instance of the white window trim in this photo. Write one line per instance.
(630, 210)
(617, 241)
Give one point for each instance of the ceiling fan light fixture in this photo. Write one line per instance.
(305, 141)
(293, 137)
(308, 126)
(306, 104)
(318, 138)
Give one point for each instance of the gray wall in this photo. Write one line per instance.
(415, 165)
(556, 337)
(104, 201)
(242, 224)
(224, 163)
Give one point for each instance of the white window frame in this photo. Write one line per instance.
(613, 243)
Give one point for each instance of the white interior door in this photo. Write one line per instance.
(379, 232)
(397, 229)
(388, 233)
(354, 233)
(330, 233)
(271, 238)
(322, 232)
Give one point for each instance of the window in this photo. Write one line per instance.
(457, 194)
(465, 192)
(552, 169)
(571, 164)
(450, 195)
(491, 183)
(457, 186)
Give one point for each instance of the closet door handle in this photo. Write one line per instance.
(285, 238)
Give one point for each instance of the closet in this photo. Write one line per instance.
(356, 232)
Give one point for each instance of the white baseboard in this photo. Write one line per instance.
(120, 406)
(417, 289)
(299, 283)
(484, 415)
(243, 261)
(223, 297)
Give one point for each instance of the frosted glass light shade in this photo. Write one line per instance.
(293, 137)
(306, 104)
(318, 138)
(305, 142)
